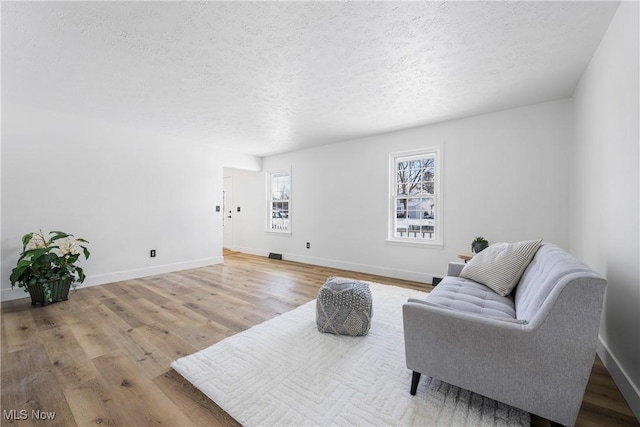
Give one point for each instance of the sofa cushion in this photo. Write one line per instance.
(501, 265)
(468, 296)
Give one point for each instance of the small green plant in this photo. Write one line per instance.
(44, 261)
(478, 244)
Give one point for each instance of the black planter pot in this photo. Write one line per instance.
(59, 292)
(478, 247)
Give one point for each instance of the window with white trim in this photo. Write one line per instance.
(415, 202)
(279, 201)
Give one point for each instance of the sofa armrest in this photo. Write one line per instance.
(455, 268)
(467, 350)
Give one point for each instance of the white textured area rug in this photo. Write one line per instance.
(283, 372)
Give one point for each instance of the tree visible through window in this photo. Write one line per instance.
(279, 200)
(415, 196)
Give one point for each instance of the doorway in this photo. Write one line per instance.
(227, 208)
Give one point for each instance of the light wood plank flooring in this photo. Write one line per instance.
(102, 357)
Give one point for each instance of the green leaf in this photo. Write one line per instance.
(19, 271)
(81, 275)
(26, 238)
(34, 254)
(22, 264)
(86, 252)
(59, 235)
(16, 275)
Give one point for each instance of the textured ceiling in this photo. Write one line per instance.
(269, 77)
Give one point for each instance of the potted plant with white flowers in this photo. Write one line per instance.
(47, 267)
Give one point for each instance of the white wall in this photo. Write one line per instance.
(606, 189)
(125, 191)
(505, 177)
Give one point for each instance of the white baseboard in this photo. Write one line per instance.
(102, 279)
(361, 268)
(629, 390)
(11, 294)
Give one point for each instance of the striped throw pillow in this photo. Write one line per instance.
(500, 266)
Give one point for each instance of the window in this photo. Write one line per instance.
(416, 203)
(279, 201)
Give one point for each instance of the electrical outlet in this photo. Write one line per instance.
(308, 245)
(152, 253)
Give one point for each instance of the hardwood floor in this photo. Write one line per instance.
(103, 356)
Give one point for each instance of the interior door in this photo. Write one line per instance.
(227, 219)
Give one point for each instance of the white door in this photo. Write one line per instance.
(227, 219)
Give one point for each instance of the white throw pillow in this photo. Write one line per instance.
(500, 266)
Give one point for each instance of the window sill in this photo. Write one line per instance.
(415, 244)
(278, 233)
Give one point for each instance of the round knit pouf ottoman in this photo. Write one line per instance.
(344, 307)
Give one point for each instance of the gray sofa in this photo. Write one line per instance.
(533, 349)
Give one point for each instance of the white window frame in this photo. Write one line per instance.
(270, 227)
(437, 239)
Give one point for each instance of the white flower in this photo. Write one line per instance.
(67, 246)
(36, 242)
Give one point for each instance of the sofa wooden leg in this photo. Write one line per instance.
(414, 382)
